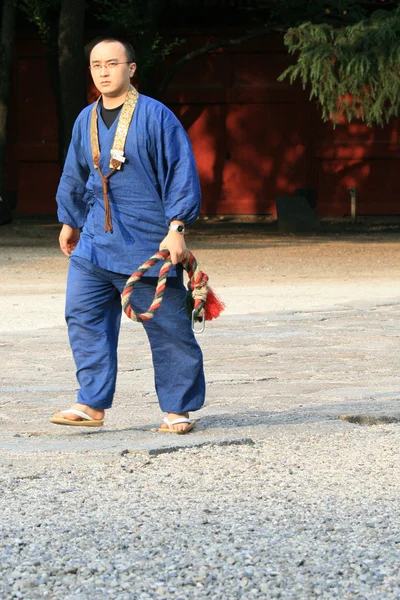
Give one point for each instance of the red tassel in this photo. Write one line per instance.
(213, 306)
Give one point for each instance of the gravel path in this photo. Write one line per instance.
(310, 509)
(297, 516)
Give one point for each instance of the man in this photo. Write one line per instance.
(129, 188)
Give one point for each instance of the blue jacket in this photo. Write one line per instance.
(157, 183)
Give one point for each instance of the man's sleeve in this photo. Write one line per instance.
(71, 193)
(178, 176)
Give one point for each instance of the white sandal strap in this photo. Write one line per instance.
(177, 421)
(78, 413)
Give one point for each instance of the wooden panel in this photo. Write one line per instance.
(33, 144)
(246, 155)
(261, 70)
(202, 79)
(36, 150)
(37, 186)
(266, 157)
(37, 119)
(206, 128)
(354, 155)
(249, 132)
(377, 183)
(357, 141)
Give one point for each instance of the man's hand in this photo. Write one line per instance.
(69, 238)
(175, 242)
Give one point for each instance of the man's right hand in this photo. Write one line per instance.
(69, 238)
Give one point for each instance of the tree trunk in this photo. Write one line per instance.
(71, 65)
(6, 55)
(146, 78)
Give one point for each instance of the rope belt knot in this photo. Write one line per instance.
(201, 302)
(108, 225)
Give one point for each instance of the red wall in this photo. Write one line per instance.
(253, 138)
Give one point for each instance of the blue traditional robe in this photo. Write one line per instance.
(157, 183)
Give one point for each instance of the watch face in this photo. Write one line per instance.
(180, 228)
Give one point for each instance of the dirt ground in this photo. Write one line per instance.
(244, 255)
(277, 446)
(252, 267)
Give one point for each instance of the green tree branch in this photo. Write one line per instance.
(352, 71)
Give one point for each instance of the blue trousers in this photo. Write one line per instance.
(93, 315)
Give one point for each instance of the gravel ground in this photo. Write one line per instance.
(297, 516)
(309, 510)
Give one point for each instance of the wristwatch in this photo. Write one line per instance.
(178, 228)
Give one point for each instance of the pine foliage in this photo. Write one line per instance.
(352, 71)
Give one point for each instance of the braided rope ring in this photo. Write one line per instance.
(197, 283)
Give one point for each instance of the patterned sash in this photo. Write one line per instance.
(117, 152)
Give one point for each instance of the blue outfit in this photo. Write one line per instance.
(158, 183)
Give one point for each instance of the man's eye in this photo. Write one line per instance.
(112, 64)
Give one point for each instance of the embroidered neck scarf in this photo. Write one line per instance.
(117, 157)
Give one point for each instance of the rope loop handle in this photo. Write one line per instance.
(197, 284)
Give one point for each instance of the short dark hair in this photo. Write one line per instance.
(129, 51)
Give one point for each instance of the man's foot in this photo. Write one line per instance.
(71, 416)
(178, 427)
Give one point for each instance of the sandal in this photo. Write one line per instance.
(85, 421)
(176, 422)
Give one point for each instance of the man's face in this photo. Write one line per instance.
(110, 69)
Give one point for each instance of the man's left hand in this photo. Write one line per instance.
(175, 242)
